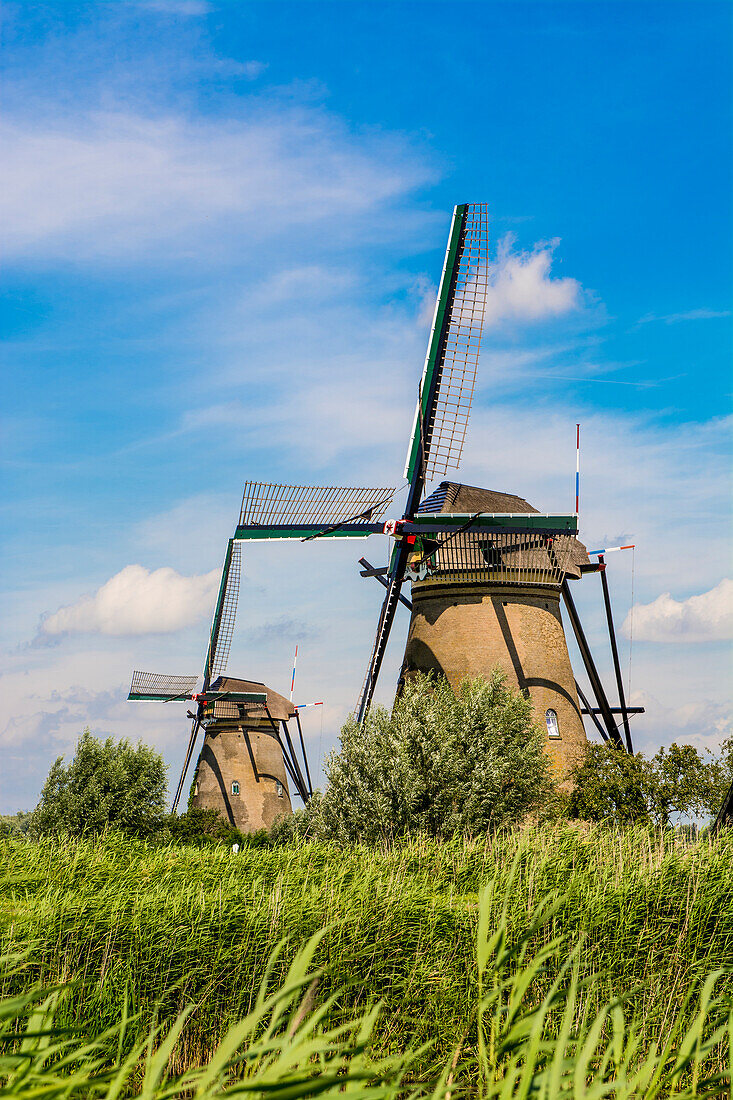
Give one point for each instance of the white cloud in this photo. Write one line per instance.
(703, 722)
(689, 315)
(521, 287)
(704, 618)
(136, 601)
(302, 284)
(113, 184)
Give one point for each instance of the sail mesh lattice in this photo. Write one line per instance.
(162, 687)
(220, 657)
(264, 503)
(458, 362)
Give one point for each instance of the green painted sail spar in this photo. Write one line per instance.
(423, 523)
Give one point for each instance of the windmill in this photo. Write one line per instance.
(248, 751)
(487, 569)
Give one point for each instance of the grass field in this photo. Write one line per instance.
(650, 915)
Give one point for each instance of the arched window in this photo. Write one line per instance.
(553, 729)
(235, 787)
(196, 788)
(279, 789)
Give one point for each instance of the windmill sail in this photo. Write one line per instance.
(220, 655)
(303, 511)
(187, 760)
(220, 640)
(446, 393)
(449, 375)
(499, 557)
(225, 612)
(384, 626)
(152, 685)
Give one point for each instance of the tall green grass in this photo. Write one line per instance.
(645, 916)
(288, 1048)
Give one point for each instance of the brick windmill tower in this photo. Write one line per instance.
(485, 600)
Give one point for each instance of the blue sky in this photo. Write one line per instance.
(223, 225)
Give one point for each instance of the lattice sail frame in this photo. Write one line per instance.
(152, 685)
(220, 657)
(460, 307)
(499, 557)
(264, 504)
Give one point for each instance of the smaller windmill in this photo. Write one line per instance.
(248, 752)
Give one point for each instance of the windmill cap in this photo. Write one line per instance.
(279, 707)
(452, 496)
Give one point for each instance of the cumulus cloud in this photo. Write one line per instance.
(521, 287)
(113, 184)
(137, 601)
(704, 618)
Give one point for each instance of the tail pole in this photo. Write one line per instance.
(292, 682)
(577, 468)
(612, 549)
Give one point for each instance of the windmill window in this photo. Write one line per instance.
(553, 729)
(279, 789)
(235, 787)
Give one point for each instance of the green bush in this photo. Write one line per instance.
(206, 827)
(440, 763)
(108, 784)
(18, 824)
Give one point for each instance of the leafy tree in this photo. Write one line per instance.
(681, 783)
(440, 763)
(614, 786)
(107, 784)
(718, 778)
(15, 825)
(610, 785)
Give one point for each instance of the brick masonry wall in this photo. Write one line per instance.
(226, 758)
(461, 629)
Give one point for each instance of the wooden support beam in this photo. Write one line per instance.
(614, 653)
(370, 571)
(590, 667)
